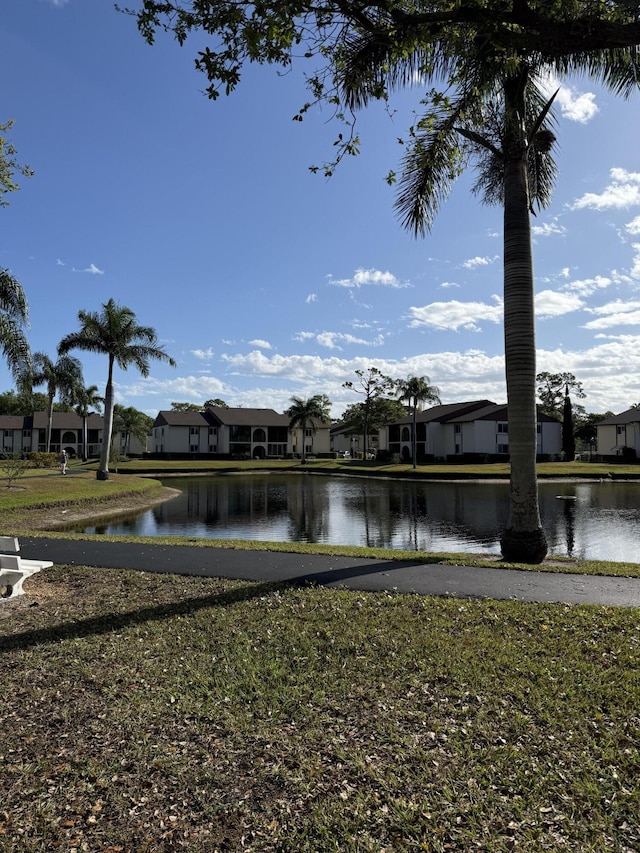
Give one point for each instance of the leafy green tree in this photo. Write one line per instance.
(132, 422)
(586, 427)
(84, 400)
(185, 407)
(22, 404)
(373, 385)
(305, 414)
(217, 403)
(14, 319)
(62, 377)
(417, 390)
(487, 64)
(552, 389)
(8, 164)
(114, 332)
(358, 417)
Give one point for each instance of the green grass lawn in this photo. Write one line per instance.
(144, 713)
(157, 713)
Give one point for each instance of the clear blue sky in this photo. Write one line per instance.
(263, 280)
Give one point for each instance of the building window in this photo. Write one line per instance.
(503, 428)
(213, 430)
(503, 448)
(193, 448)
(538, 428)
(619, 430)
(194, 431)
(26, 433)
(213, 448)
(457, 428)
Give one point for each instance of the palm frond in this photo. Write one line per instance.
(433, 162)
(616, 68)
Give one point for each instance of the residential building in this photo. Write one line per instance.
(28, 434)
(476, 427)
(239, 432)
(619, 435)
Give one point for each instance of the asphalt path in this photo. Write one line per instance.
(352, 573)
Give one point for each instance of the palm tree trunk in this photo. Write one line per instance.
(103, 469)
(414, 441)
(84, 437)
(523, 539)
(49, 423)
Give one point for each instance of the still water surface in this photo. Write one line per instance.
(603, 522)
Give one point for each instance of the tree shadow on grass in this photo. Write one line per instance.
(110, 622)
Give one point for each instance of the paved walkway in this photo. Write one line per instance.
(353, 573)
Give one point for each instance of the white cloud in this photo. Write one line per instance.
(92, 269)
(312, 297)
(616, 313)
(60, 263)
(633, 227)
(574, 105)
(587, 286)
(333, 340)
(456, 315)
(362, 278)
(472, 263)
(260, 343)
(623, 191)
(635, 269)
(446, 284)
(548, 229)
(551, 303)
(203, 354)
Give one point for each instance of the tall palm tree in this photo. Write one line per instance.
(62, 377)
(493, 64)
(417, 390)
(475, 60)
(304, 414)
(114, 332)
(85, 399)
(14, 318)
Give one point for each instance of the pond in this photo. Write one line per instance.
(595, 520)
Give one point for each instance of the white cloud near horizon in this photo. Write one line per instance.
(616, 313)
(623, 191)
(364, 277)
(456, 315)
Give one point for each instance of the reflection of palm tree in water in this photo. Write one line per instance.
(570, 525)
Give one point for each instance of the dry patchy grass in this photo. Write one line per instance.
(156, 713)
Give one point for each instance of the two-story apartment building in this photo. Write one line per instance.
(619, 432)
(245, 433)
(28, 434)
(478, 427)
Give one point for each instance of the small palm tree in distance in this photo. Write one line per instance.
(114, 332)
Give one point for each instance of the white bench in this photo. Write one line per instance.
(14, 569)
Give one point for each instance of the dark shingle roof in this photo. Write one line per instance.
(631, 416)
